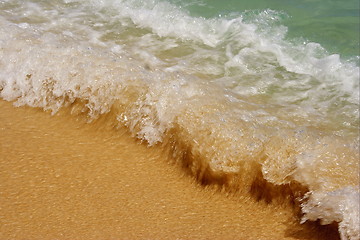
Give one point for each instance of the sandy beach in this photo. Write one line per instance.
(61, 178)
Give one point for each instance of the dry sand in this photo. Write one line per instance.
(61, 178)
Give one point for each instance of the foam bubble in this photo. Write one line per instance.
(340, 206)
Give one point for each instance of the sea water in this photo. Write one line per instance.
(240, 90)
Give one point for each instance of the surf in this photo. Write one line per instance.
(237, 107)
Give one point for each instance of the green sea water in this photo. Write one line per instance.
(332, 23)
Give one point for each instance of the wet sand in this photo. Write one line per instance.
(61, 178)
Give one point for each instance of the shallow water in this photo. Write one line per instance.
(333, 24)
(237, 97)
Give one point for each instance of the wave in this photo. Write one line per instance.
(242, 109)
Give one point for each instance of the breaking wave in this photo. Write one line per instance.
(236, 104)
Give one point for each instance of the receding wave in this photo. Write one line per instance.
(239, 108)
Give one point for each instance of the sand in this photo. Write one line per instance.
(61, 178)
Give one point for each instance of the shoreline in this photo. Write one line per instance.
(64, 179)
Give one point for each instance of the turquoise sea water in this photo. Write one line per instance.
(332, 23)
(251, 90)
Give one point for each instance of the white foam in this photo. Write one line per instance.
(228, 51)
(340, 206)
(256, 63)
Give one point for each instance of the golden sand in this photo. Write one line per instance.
(61, 178)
